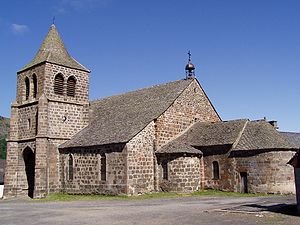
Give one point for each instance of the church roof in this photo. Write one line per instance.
(236, 135)
(117, 119)
(292, 137)
(178, 146)
(53, 50)
(260, 135)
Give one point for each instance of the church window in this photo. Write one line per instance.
(103, 167)
(70, 168)
(34, 81)
(27, 88)
(71, 84)
(28, 124)
(165, 172)
(216, 172)
(59, 84)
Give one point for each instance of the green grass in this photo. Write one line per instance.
(211, 193)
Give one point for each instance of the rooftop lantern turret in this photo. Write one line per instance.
(189, 68)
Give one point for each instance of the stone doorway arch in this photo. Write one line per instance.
(29, 160)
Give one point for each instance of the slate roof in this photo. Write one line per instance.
(236, 135)
(260, 135)
(177, 146)
(117, 119)
(292, 137)
(2, 169)
(53, 50)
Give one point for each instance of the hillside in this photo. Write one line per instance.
(4, 128)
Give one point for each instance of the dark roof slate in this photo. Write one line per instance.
(203, 135)
(292, 137)
(177, 146)
(236, 135)
(117, 119)
(259, 135)
(217, 133)
(53, 50)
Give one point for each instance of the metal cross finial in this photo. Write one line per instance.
(189, 53)
(53, 20)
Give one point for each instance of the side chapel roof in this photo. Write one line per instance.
(53, 50)
(117, 119)
(235, 135)
(292, 137)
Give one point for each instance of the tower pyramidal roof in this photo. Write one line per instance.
(53, 50)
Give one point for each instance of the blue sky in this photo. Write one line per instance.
(246, 52)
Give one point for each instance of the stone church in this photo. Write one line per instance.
(167, 137)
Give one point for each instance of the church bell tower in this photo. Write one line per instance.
(51, 106)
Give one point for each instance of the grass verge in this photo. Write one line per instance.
(211, 193)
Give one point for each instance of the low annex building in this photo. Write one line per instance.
(167, 137)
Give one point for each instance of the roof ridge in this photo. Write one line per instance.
(239, 136)
(136, 90)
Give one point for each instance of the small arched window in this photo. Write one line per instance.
(27, 88)
(216, 172)
(71, 84)
(70, 168)
(34, 81)
(59, 84)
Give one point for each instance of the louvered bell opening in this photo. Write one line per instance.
(59, 85)
(34, 80)
(71, 87)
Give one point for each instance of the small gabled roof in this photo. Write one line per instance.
(261, 135)
(235, 136)
(177, 146)
(117, 119)
(214, 133)
(53, 50)
(204, 137)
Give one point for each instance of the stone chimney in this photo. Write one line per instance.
(274, 124)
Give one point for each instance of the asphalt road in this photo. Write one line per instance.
(175, 211)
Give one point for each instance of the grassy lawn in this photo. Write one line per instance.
(212, 193)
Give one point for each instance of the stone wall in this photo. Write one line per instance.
(184, 174)
(268, 172)
(191, 106)
(140, 161)
(87, 170)
(15, 176)
(227, 180)
(65, 120)
(297, 183)
(27, 119)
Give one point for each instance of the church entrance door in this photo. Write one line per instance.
(29, 160)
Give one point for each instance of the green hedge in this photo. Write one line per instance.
(2, 148)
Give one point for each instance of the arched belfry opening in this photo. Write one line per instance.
(29, 160)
